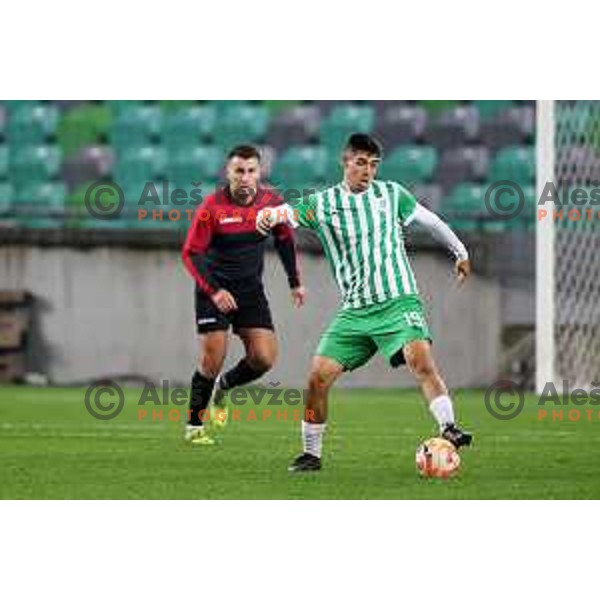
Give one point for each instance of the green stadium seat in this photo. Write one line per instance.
(200, 163)
(301, 166)
(40, 205)
(31, 124)
(136, 126)
(7, 194)
(83, 126)
(410, 164)
(34, 164)
(4, 161)
(466, 199)
(490, 108)
(344, 120)
(434, 107)
(50, 195)
(515, 163)
(188, 126)
(140, 164)
(168, 106)
(239, 124)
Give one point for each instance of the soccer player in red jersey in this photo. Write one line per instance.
(225, 255)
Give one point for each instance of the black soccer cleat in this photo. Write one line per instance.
(305, 462)
(456, 436)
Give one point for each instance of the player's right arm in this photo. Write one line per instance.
(194, 257)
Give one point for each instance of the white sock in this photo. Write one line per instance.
(441, 409)
(312, 437)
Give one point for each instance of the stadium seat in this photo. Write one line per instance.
(490, 108)
(462, 164)
(515, 163)
(240, 124)
(140, 164)
(34, 164)
(344, 120)
(3, 120)
(31, 124)
(512, 127)
(40, 205)
(89, 164)
(136, 126)
(410, 164)
(588, 165)
(83, 125)
(430, 195)
(455, 127)
(4, 162)
(294, 127)
(301, 166)
(466, 199)
(188, 126)
(434, 107)
(201, 163)
(401, 124)
(7, 195)
(169, 106)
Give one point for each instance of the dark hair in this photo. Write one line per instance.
(362, 142)
(244, 151)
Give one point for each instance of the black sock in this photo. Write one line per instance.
(242, 373)
(200, 393)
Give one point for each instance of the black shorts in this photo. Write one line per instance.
(253, 311)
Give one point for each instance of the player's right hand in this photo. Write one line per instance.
(224, 301)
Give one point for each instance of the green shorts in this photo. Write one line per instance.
(357, 334)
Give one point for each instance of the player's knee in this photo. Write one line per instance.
(262, 362)
(320, 379)
(210, 366)
(422, 367)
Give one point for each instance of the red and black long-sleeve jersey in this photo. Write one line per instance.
(224, 250)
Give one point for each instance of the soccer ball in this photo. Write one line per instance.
(437, 457)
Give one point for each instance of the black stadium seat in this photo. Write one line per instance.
(400, 124)
(453, 128)
(296, 126)
(511, 127)
(462, 164)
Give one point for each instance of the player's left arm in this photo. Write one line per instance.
(441, 232)
(286, 250)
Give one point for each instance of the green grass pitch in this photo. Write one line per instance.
(50, 447)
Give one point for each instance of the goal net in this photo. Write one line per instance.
(568, 248)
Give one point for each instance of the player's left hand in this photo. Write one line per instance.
(463, 269)
(265, 221)
(299, 296)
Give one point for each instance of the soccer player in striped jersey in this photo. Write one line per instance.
(360, 224)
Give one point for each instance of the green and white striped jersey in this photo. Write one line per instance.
(363, 239)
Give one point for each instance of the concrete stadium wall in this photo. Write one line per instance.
(113, 311)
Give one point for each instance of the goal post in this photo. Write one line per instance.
(544, 249)
(568, 244)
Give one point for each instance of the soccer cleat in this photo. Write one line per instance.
(305, 462)
(219, 416)
(456, 436)
(198, 436)
(219, 413)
